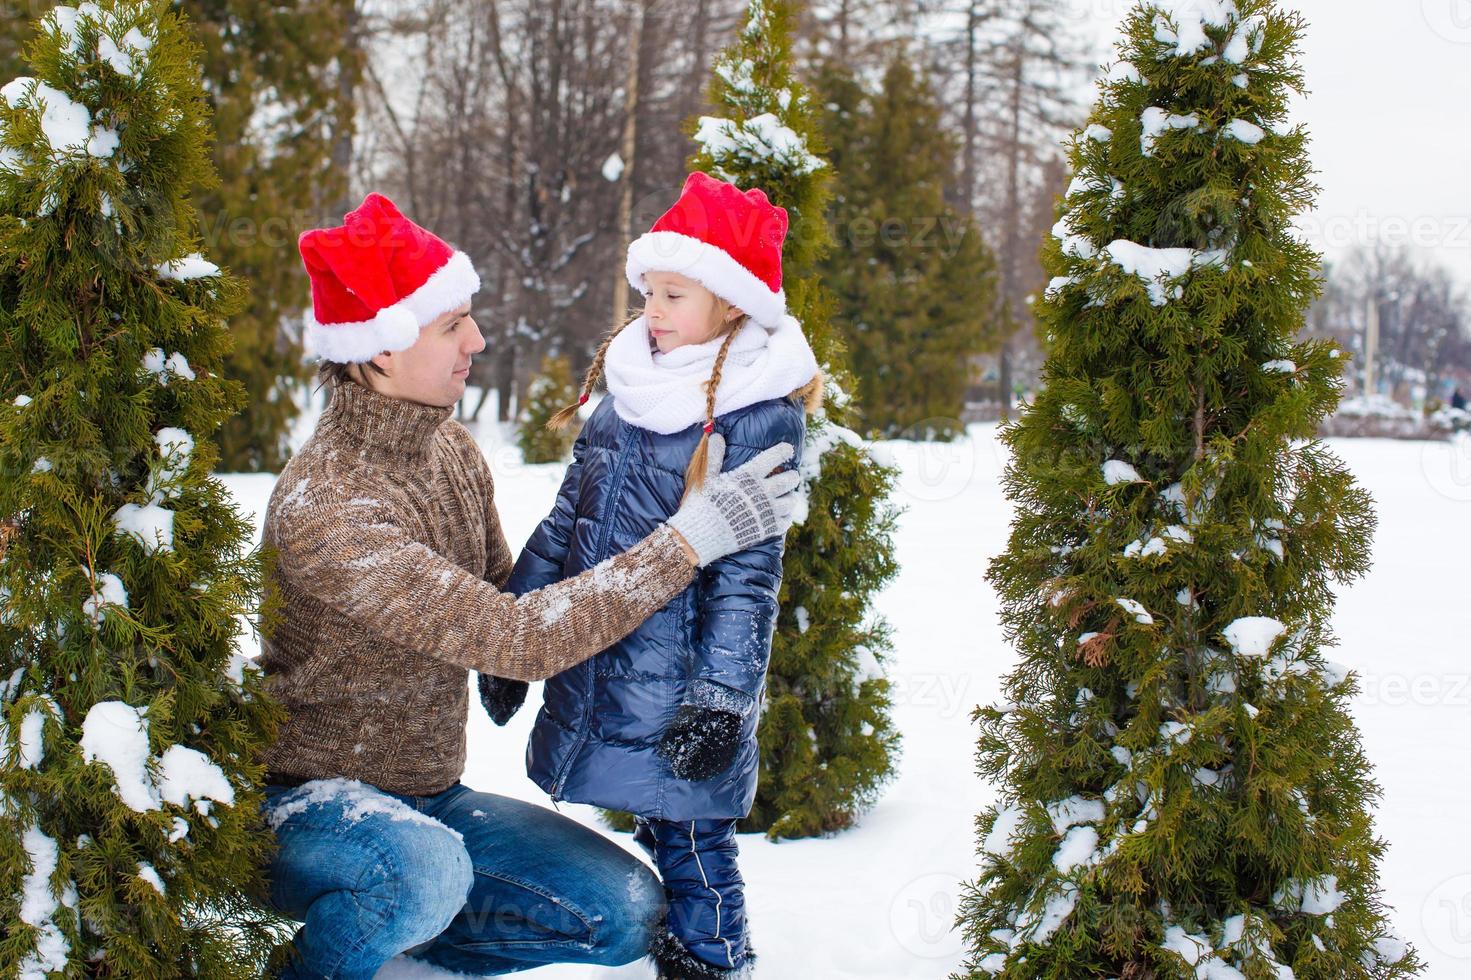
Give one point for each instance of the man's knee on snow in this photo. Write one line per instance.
(623, 934)
(419, 884)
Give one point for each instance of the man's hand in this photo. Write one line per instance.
(738, 510)
(688, 551)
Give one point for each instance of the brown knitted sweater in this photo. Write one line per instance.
(383, 542)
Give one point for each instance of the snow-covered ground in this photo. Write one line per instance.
(879, 900)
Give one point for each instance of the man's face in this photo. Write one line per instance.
(433, 371)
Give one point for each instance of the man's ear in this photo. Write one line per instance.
(384, 360)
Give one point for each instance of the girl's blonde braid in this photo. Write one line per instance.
(594, 373)
(694, 474)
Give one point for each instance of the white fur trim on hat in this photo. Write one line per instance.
(395, 327)
(451, 285)
(714, 268)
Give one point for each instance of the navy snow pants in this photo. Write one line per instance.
(704, 888)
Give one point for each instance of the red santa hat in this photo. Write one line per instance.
(377, 280)
(727, 240)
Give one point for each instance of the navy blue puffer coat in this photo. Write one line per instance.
(595, 737)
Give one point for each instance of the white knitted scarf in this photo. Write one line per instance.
(665, 392)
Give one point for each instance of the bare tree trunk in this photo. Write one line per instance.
(629, 151)
(351, 56)
(968, 131)
(506, 381)
(844, 10)
(1013, 225)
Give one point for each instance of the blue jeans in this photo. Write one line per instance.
(471, 882)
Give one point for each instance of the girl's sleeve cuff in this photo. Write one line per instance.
(710, 694)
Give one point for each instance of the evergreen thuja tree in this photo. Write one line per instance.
(1182, 790)
(132, 843)
(548, 392)
(827, 744)
(279, 112)
(913, 281)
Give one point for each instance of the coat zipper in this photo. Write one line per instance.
(586, 666)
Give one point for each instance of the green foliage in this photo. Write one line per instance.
(1175, 802)
(110, 392)
(279, 84)
(549, 392)
(827, 744)
(914, 283)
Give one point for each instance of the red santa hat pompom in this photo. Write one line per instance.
(377, 280)
(727, 240)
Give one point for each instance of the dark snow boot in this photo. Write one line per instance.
(673, 962)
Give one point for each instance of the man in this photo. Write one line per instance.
(388, 560)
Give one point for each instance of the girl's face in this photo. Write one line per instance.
(680, 311)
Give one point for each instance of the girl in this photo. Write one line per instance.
(663, 723)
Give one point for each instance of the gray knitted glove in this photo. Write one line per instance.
(737, 510)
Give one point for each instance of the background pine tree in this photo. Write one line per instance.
(1183, 793)
(547, 394)
(282, 79)
(827, 744)
(913, 282)
(132, 841)
(280, 83)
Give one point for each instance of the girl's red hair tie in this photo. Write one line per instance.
(582, 398)
(709, 427)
